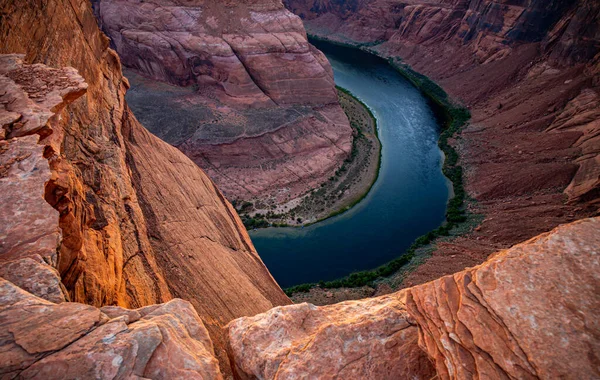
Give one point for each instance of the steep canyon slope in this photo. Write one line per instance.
(257, 106)
(90, 197)
(529, 71)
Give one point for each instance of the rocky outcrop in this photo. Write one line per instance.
(44, 340)
(90, 197)
(525, 313)
(528, 312)
(367, 339)
(266, 121)
(528, 71)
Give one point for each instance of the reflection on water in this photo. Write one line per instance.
(408, 200)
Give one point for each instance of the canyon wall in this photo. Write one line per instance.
(90, 197)
(529, 73)
(266, 124)
(526, 313)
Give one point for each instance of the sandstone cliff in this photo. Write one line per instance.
(266, 122)
(528, 71)
(90, 197)
(526, 313)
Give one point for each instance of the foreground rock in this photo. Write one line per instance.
(43, 340)
(93, 199)
(260, 113)
(368, 339)
(528, 71)
(528, 312)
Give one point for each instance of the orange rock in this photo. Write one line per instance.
(525, 313)
(367, 339)
(165, 341)
(528, 312)
(125, 218)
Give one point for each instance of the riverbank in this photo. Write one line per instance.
(452, 118)
(344, 189)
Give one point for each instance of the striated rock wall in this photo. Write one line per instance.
(120, 217)
(526, 313)
(256, 50)
(528, 71)
(266, 121)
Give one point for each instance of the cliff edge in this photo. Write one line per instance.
(94, 199)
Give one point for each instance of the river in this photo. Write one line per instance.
(408, 200)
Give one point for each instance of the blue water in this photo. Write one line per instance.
(408, 200)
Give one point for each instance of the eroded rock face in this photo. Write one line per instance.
(525, 313)
(92, 198)
(271, 126)
(528, 312)
(253, 49)
(43, 340)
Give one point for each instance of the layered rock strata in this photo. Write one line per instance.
(254, 50)
(92, 198)
(266, 124)
(528, 312)
(528, 71)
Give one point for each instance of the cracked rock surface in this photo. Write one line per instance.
(43, 340)
(105, 212)
(528, 312)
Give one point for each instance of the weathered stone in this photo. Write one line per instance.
(527, 312)
(108, 185)
(35, 276)
(255, 49)
(43, 340)
(273, 128)
(367, 339)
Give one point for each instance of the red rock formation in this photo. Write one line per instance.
(251, 49)
(238, 55)
(367, 339)
(43, 340)
(123, 218)
(528, 71)
(525, 313)
(528, 312)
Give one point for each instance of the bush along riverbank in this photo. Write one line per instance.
(451, 118)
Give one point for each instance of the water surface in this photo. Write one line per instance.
(408, 199)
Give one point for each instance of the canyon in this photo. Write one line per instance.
(529, 74)
(120, 258)
(261, 114)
